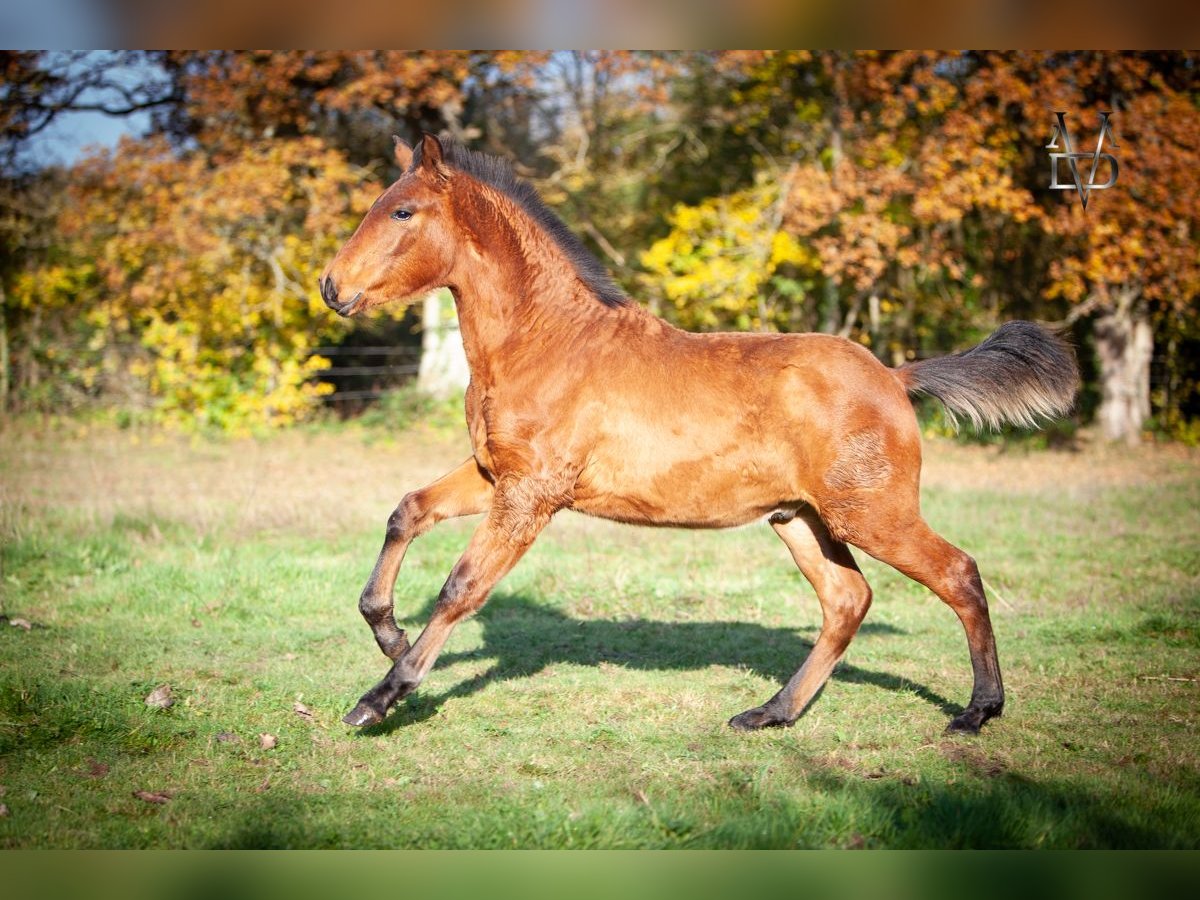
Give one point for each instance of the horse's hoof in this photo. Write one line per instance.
(362, 715)
(971, 719)
(754, 719)
(963, 725)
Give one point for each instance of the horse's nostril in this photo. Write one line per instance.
(329, 290)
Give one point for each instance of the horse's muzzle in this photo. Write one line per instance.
(329, 294)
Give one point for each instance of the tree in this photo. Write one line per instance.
(37, 87)
(918, 182)
(899, 198)
(185, 263)
(1130, 258)
(843, 152)
(201, 275)
(726, 261)
(351, 100)
(599, 136)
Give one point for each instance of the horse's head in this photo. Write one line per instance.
(404, 246)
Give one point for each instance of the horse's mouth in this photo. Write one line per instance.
(351, 307)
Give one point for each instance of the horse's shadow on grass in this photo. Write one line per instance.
(524, 637)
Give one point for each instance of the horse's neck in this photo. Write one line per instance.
(515, 293)
(497, 327)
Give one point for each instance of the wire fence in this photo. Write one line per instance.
(360, 375)
(363, 375)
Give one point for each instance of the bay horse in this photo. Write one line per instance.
(580, 399)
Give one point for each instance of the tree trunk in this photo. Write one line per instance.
(1124, 346)
(443, 371)
(831, 312)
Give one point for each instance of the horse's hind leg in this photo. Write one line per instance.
(845, 597)
(462, 492)
(911, 546)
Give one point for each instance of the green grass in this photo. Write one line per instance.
(585, 705)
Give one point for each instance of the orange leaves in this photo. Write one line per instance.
(846, 215)
(211, 268)
(924, 176)
(396, 80)
(1139, 235)
(236, 97)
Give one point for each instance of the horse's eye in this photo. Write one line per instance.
(402, 215)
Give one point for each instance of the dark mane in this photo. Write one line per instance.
(497, 173)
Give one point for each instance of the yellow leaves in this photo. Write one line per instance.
(688, 219)
(785, 249)
(662, 254)
(211, 269)
(715, 265)
(52, 286)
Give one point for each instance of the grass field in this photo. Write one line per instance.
(585, 705)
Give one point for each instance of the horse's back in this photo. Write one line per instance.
(717, 430)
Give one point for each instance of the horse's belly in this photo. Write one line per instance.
(705, 492)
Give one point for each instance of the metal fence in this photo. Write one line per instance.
(363, 374)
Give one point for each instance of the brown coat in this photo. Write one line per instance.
(581, 400)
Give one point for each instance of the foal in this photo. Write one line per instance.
(580, 399)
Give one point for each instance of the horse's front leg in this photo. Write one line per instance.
(520, 510)
(462, 492)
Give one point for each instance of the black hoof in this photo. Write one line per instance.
(363, 715)
(971, 719)
(963, 725)
(759, 717)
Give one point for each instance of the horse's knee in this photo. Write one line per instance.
(373, 606)
(406, 519)
(378, 611)
(859, 601)
(965, 567)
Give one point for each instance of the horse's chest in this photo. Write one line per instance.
(508, 437)
(476, 401)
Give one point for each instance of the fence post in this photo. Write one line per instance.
(443, 371)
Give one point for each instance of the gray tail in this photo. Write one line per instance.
(1020, 375)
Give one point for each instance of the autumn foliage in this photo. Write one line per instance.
(900, 199)
(202, 274)
(911, 191)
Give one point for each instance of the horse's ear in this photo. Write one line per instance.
(432, 156)
(403, 153)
